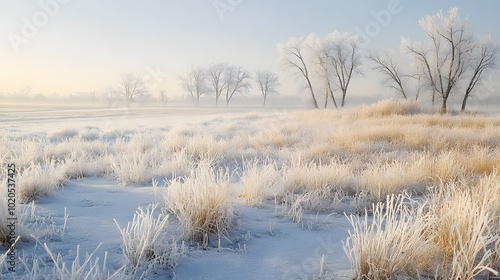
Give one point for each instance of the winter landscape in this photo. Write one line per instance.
(294, 170)
(254, 195)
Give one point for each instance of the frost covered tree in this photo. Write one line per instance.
(394, 77)
(294, 56)
(446, 55)
(217, 75)
(268, 84)
(341, 53)
(324, 67)
(132, 86)
(164, 97)
(110, 95)
(237, 80)
(195, 83)
(484, 59)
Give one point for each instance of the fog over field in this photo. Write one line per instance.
(249, 140)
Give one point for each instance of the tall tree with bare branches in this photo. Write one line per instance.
(342, 51)
(268, 83)
(217, 76)
(325, 72)
(394, 77)
(293, 56)
(132, 86)
(445, 56)
(110, 95)
(164, 97)
(194, 82)
(484, 59)
(237, 81)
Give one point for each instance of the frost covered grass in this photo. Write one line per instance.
(145, 239)
(452, 234)
(258, 182)
(202, 203)
(390, 242)
(427, 182)
(39, 180)
(87, 267)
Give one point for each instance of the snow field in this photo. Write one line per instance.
(420, 191)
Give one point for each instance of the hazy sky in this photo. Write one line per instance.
(69, 46)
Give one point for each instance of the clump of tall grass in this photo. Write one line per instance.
(385, 108)
(145, 239)
(381, 179)
(173, 164)
(27, 152)
(452, 234)
(80, 164)
(130, 168)
(258, 182)
(299, 176)
(201, 202)
(465, 227)
(39, 180)
(60, 134)
(390, 243)
(88, 267)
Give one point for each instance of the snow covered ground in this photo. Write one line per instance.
(264, 244)
(291, 175)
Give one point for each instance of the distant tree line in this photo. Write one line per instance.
(451, 61)
(224, 81)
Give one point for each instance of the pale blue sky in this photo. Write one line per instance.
(86, 44)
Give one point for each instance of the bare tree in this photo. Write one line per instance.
(445, 56)
(110, 95)
(342, 51)
(293, 57)
(268, 83)
(485, 59)
(325, 72)
(23, 93)
(164, 97)
(194, 82)
(394, 77)
(92, 93)
(237, 81)
(218, 80)
(132, 86)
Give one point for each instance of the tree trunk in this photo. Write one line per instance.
(443, 106)
(312, 94)
(343, 98)
(333, 98)
(464, 102)
(326, 99)
(264, 104)
(433, 98)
